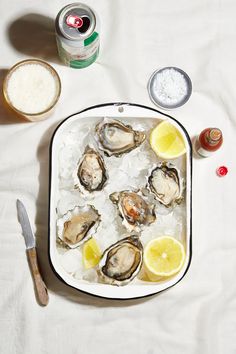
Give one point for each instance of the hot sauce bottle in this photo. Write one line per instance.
(209, 141)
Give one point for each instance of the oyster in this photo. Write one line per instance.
(165, 183)
(78, 225)
(134, 209)
(91, 173)
(122, 261)
(116, 138)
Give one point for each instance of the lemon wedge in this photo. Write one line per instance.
(163, 257)
(91, 254)
(167, 141)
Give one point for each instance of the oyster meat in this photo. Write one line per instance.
(134, 209)
(91, 173)
(116, 138)
(78, 225)
(166, 185)
(122, 261)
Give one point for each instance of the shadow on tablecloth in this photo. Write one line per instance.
(34, 35)
(53, 283)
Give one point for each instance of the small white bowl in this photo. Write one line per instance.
(155, 99)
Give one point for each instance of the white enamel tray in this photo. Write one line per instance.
(116, 111)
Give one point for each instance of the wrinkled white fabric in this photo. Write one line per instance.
(196, 316)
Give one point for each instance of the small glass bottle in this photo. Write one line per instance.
(209, 141)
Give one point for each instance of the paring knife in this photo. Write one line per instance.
(40, 288)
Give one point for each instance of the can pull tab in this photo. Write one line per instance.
(74, 21)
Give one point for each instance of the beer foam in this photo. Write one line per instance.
(32, 88)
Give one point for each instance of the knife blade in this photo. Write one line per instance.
(39, 285)
(25, 224)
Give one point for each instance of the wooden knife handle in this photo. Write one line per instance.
(40, 288)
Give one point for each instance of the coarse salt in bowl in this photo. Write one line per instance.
(32, 88)
(169, 87)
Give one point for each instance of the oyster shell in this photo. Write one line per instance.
(134, 209)
(116, 138)
(78, 225)
(121, 262)
(91, 172)
(165, 184)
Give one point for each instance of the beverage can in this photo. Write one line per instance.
(77, 35)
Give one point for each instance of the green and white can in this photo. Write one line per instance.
(77, 34)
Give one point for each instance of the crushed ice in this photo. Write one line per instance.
(129, 171)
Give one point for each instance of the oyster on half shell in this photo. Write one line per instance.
(134, 209)
(121, 262)
(91, 172)
(165, 184)
(116, 138)
(78, 225)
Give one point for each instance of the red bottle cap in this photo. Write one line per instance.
(222, 171)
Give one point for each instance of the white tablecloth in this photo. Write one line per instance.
(198, 314)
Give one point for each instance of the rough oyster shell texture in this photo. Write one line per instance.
(78, 225)
(165, 184)
(116, 138)
(91, 172)
(134, 203)
(134, 209)
(121, 262)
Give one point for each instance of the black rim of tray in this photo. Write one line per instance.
(49, 203)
